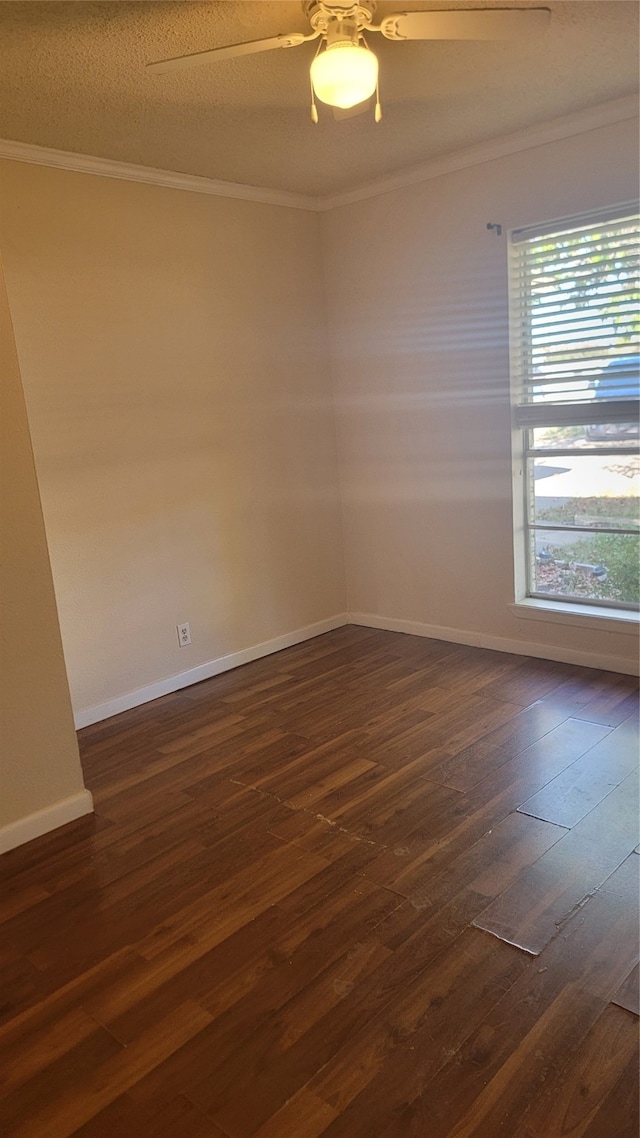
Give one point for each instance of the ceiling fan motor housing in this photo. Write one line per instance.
(339, 21)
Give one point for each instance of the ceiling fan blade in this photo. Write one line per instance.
(233, 49)
(470, 24)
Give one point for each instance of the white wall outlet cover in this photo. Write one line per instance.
(184, 634)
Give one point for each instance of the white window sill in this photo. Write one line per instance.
(581, 616)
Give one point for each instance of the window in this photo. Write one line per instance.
(575, 355)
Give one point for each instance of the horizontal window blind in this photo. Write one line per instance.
(575, 319)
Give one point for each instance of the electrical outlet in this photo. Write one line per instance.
(184, 634)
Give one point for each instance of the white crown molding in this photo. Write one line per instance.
(554, 130)
(128, 172)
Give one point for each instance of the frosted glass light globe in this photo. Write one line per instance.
(345, 74)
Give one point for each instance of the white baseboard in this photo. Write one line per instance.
(498, 643)
(43, 821)
(89, 715)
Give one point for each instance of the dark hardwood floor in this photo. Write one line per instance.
(374, 886)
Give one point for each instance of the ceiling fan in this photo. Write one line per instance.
(345, 73)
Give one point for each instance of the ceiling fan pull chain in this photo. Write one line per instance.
(314, 109)
(377, 114)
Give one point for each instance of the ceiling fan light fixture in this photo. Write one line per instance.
(345, 74)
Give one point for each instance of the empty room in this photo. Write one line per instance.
(320, 482)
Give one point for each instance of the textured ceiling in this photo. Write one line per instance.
(73, 78)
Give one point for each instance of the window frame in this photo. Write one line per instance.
(527, 415)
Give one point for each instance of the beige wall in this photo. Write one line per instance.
(418, 317)
(173, 352)
(174, 355)
(39, 762)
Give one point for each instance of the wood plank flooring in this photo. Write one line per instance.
(374, 886)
